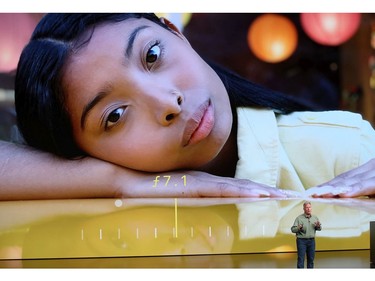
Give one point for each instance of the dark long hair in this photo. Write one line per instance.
(244, 93)
(39, 98)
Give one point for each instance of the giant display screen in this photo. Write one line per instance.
(138, 226)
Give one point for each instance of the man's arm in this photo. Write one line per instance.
(317, 225)
(296, 227)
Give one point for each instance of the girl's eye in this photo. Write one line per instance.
(113, 117)
(153, 54)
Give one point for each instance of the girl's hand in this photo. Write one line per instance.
(190, 184)
(354, 183)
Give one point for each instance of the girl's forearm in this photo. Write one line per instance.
(26, 173)
(29, 174)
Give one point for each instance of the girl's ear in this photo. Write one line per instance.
(173, 28)
(170, 25)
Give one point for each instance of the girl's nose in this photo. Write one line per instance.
(167, 107)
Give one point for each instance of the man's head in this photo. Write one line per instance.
(307, 208)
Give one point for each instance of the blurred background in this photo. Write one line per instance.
(327, 59)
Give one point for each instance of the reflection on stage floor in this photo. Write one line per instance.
(182, 233)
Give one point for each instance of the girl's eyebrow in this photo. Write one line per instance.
(90, 106)
(128, 52)
(132, 37)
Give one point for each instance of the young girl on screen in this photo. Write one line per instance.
(129, 89)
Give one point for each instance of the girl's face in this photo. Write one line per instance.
(139, 96)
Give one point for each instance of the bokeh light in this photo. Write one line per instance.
(272, 38)
(329, 28)
(15, 31)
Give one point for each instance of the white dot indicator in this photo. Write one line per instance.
(118, 203)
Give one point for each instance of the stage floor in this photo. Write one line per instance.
(323, 259)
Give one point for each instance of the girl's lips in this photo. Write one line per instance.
(200, 125)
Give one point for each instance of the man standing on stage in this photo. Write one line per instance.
(305, 226)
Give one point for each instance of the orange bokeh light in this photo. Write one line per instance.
(272, 38)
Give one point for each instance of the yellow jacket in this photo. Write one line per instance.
(295, 152)
(302, 149)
